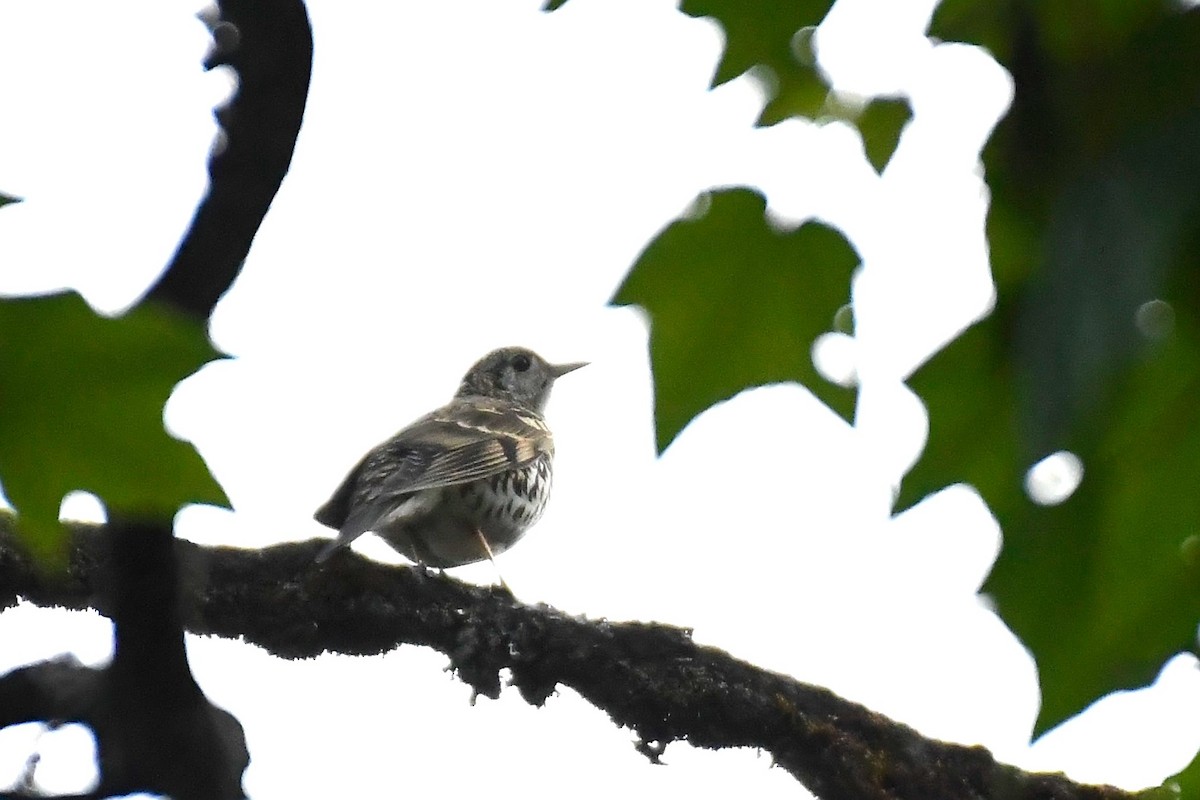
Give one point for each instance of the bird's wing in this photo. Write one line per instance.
(464, 441)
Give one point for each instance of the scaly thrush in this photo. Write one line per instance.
(463, 482)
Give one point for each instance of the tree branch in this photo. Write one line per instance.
(155, 730)
(60, 689)
(652, 678)
(269, 44)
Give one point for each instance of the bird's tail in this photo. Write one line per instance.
(347, 535)
(330, 549)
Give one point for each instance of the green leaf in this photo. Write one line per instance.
(1104, 587)
(81, 398)
(880, 124)
(774, 38)
(1094, 214)
(1089, 357)
(1184, 786)
(775, 34)
(6, 199)
(969, 391)
(1001, 24)
(735, 303)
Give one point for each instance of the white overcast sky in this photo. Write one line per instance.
(529, 157)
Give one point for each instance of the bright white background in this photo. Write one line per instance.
(476, 174)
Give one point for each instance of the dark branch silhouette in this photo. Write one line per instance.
(154, 728)
(652, 678)
(269, 44)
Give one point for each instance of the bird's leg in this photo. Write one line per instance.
(487, 548)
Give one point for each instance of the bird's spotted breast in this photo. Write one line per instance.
(508, 503)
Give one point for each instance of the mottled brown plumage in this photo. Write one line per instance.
(462, 482)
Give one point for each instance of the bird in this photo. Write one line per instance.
(462, 483)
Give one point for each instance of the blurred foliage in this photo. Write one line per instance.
(83, 402)
(5, 199)
(773, 37)
(1184, 786)
(880, 124)
(1095, 345)
(773, 40)
(1094, 177)
(735, 302)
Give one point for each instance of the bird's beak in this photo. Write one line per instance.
(558, 370)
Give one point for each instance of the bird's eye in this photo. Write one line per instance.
(521, 363)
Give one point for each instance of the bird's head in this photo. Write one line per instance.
(514, 374)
